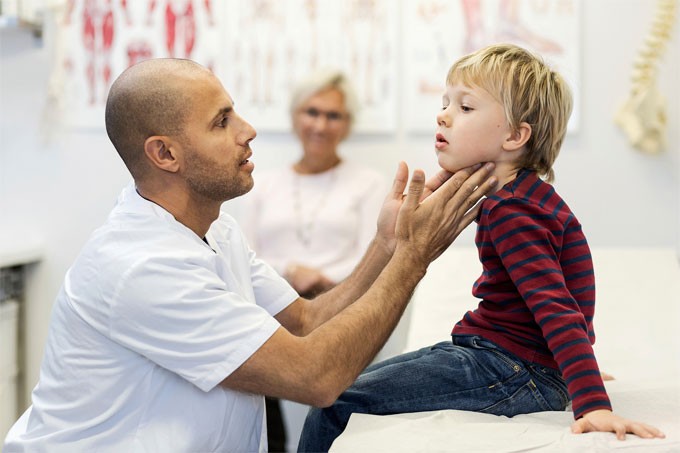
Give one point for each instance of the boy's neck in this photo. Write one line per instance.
(505, 172)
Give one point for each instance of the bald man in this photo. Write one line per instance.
(168, 330)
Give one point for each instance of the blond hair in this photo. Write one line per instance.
(322, 80)
(529, 90)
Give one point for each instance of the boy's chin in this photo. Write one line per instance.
(448, 167)
(452, 167)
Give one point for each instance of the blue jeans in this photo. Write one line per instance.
(469, 373)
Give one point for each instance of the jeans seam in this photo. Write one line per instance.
(533, 388)
(547, 381)
(449, 396)
(533, 391)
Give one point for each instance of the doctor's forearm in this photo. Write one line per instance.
(329, 304)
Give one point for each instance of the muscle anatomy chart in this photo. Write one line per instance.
(95, 40)
(396, 52)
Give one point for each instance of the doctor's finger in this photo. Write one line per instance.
(435, 182)
(415, 189)
(469, 191)
(399, 183)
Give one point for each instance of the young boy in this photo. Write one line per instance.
(528, 345)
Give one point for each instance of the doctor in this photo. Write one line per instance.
(168, 330)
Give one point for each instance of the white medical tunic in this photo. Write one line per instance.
(150, 320)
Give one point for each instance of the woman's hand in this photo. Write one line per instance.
(307, 281)
(606, 421)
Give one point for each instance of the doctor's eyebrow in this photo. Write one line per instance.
(222, 113)
(225, 110)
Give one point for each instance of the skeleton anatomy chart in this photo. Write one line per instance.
(271, 44)
(396, 52)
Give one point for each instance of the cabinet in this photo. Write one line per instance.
(13, 262)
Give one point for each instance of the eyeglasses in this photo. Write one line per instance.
(331, 115)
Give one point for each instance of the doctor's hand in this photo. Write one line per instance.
(428, 222)
(459, 192)
(387, 219)
(606, 421)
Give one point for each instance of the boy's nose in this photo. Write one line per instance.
(443, 119)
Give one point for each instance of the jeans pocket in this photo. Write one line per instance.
(525, 400)
(552, 387)
(514, 364)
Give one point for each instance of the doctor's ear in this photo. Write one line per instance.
(161, 153)
(518, 138)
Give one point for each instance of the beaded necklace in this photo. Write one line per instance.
(305, 227)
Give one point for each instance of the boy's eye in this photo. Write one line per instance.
(465, 108)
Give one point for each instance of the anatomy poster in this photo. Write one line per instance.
(269, 45)
(438, 32)
(258, 48)
(396, 52)
(95, 40)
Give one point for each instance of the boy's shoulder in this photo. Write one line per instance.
(528, 189)
(527, 185)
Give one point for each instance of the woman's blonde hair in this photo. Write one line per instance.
(529, 90)
(322, 80)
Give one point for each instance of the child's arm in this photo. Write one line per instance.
(607, 421)
(542, 257)
(554, 309)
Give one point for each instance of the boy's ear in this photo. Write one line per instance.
(518, 138)
(161, 153)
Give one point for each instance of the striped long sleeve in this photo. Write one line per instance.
(537, 288)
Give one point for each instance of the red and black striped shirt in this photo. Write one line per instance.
(537, 288)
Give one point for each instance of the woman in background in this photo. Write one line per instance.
(321, 210)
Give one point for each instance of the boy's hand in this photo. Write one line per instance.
(606, 421)
(606, 376)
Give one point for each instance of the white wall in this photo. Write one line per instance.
(58, 188)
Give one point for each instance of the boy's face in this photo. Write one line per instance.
(471, 128)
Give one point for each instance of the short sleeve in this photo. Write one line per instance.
(189, 321)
